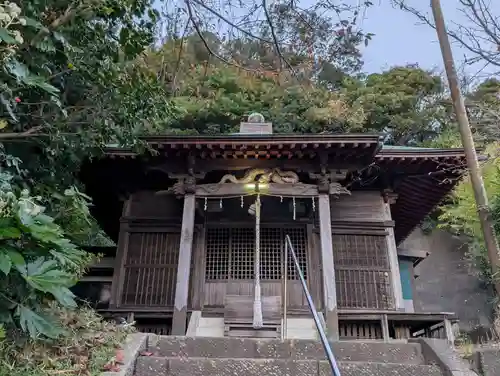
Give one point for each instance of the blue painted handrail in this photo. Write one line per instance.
(319, 327)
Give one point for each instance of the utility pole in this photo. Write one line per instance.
(490, 239)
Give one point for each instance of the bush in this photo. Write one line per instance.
(38, 263)
(459, 215)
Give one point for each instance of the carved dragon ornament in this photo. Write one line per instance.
(187, 183)
(263, 175)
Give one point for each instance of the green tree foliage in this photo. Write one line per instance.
(216, 99)
(482, 45)
(459, 214)
(70, 83)
(484, 109)
(402, 102)
(212, 97)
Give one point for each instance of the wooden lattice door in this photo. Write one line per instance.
(150, 269)
(229, 263)
(362, 272)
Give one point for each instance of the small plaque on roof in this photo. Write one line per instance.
(256, 128)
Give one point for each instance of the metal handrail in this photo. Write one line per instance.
(319, 327)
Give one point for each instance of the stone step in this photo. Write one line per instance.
(356, 351)
(162, 366)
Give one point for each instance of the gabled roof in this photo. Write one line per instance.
(421, 177)
(274, 146)
(285, 146)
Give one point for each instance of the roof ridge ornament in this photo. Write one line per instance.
(256, 124)
(256, 117)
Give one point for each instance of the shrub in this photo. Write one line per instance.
(38, 263)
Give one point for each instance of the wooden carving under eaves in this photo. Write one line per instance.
(186, 183)
(336, 189)
(273, 189)
(264, 176)
(331, 175)
(328, 182)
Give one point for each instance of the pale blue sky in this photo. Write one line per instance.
(401, 39)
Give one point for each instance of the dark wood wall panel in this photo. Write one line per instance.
(147, 204)
(150, 269)
(359, 207)
(362, 272)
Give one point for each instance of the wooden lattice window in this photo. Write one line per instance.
(230, 252)
(299, 243)
(217, 253)
(242, 242)
(271, 253)
(150, 269)
(362, 271)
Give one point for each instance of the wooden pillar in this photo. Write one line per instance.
(385, 328)
(393, 260)
(184, 266)
(121, 255)
(450, 336)
(329, 290)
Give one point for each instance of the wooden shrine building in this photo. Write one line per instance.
(183, 216)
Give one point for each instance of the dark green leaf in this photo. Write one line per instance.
(33, 23)
(59, 37)
(10, 233)
(46, 45)
(25, 217)
(5, 263)
(44, 219)
(43, 275)
(16, 258)
(44, 233)
(4, 222)
(36, 324)
(23, 74)
(5, 316)
(64, 296)
(40, 82)
(19, 70)
(6, 37)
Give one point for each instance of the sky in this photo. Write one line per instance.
(400, 38)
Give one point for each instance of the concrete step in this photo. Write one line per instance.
(163, 366)
(244, 348)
